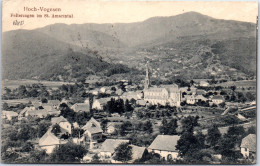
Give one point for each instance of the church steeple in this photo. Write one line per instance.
(147, 83)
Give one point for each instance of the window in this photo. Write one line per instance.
(169, 157)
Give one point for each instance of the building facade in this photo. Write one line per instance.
(163, 95)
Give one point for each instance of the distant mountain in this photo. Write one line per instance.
(27, 50)
(31, 54)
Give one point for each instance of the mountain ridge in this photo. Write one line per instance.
(121, 42)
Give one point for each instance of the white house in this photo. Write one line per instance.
(111, 127)
(49, 141)
(103, 90)
(190, 99)
(100, 103)
(204, 83)
(164, 145)
(62, 122)
(248, 146)
(9, 115)
(218, 99)
(93, 132)
(54, 103)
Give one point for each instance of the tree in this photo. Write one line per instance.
(213, 135)
(125, 127)
(188, 123)
(188, 144)
(172, 126)
(123, 153)
(128, 107)
(44, 100)
(251, 130)
(77, 132)
(26, 132)
(42, 128)
(233, 88)
(56, 129)
(5, 106)
(68, 153)
(37, 156)
(148, 127)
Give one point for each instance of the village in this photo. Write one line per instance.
(131, 123)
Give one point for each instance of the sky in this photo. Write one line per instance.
(101, 11)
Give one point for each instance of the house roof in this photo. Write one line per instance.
(103, 100)
(49, 108)
(36, 104)
(217, 97)
(92, 126)
(201, 97)
(137, 152)
(154, 89)
(38, 113)
(49, 139)
(10, 113)
(111, 144)
(165, 142)
(141, 102)
(249, 142)
(57, 120)
(54, 102)
(200, 92)
(204, 82)
(81, 107)
(188, 97)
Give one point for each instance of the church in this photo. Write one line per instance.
(163, 95)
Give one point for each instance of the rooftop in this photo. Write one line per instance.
(165, 143)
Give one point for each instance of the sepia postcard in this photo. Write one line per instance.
(129, 82)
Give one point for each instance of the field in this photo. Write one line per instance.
(12, 84)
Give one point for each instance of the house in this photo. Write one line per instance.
(54, 103)
(201, 98)
(103, 90)
(204, 83)
(248, 146)
(164, 145)
(190, 99)
(62, 122)
(93, 132)
(217, 99)
(51, 110)
(49, 141)
(100, 103)
(119, 92)
(36, 104)
(137, 153)
(108, 148)
(81, 107)
(112, 126)
(24, 112)
(9, 115)
(37, 113)
(131, 95)
(141, 102)
(86, 101)
(200, 92)
(94, 92)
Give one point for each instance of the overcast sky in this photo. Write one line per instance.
(90, 11)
